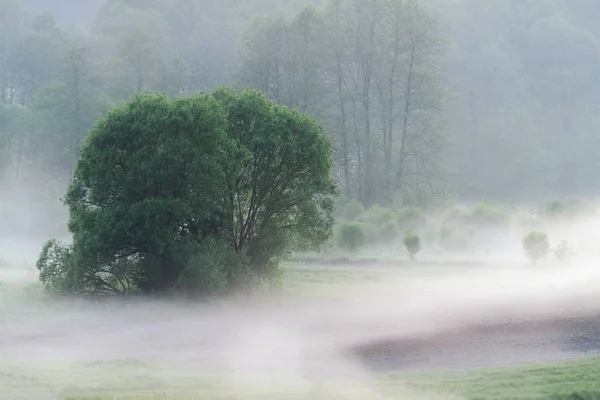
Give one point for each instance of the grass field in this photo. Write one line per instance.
(122, 380)
(22, 300)
(530, 382)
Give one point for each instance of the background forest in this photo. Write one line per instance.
(424, 100)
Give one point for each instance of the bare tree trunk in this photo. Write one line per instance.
(343, 132)
(407, 102)
(359, 171)
(391, 105)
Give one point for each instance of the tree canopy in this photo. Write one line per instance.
(163, 184)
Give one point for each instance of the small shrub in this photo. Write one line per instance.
(379, 225)
(351, 236)
(563, 252)
(564, 208)
(536, 245)
(412, 243)
(377, 215)
(487, 215)
(55, 266)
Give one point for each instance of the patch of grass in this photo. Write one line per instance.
(536, 382)
(124, 380)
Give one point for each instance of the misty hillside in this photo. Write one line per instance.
(423, 100)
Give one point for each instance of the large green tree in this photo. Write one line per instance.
(211, 188)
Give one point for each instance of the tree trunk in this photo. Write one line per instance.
(343, 133)
(359, 171)
(407, 102)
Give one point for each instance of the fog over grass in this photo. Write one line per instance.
(281, 341)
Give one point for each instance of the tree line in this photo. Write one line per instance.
(371, 71)
(421, 99)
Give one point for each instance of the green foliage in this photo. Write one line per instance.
(412, 242)
(488, 215)
(563, 208)
(146, 181)
(165, 190)
(385, 110)
(536, 245)
(380, 225)
(210, 268)
(282, 188)
(55, 264)
(351, 236)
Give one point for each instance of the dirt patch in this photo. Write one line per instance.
(485, 346)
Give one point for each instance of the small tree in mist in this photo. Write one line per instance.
(55, 264)
(536, 245)
(351, 236)
(412, 242)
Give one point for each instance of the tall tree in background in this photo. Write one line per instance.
(369, 69)
(512, 78)
(138, 51)
(71, 104)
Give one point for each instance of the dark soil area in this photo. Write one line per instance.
(487, 346)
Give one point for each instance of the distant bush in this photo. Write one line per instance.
(351, 236)
(412, 243)
(380, 225)
(411, 218)
(563, 252)
(536, 245)
(489, 215)
(563, 208)
(55, 264)
(377, 215)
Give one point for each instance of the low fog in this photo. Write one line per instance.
(428, 316)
